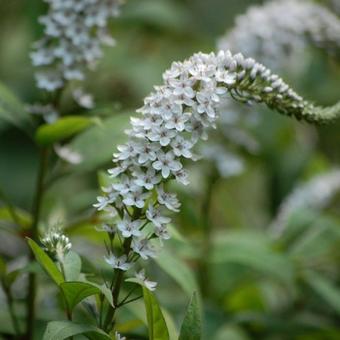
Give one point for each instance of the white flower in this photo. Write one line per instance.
(119, 337)
(83, 99)
(67, 154)
(154, 215)
(148, 179)
(166, 163)
(128, 227)
(136, 198)
(118, 262)
(162, 135)
(102, 203)
(168, 199)
(106, 228)
(140, 276)
(125, 186)
(148, 152)
(181, 147)
(177, 121)
(162, 232)
(126, 151)
(143, 248)
(74, 32)
(182, 176)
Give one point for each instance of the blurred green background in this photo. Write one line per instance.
(272, 297)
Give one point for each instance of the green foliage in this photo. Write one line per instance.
(72, 266)
(191, 326)
(62, 129)
(59, 330)
(253, 251)
(46, 262)
(325, 289)
(157, 327)
(12, 110)
(178, 270)
(96, 144)
(75, 292)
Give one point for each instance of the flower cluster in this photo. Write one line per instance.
(314, 194)
(173, 119)
(74, 32)
(264, 33)
(56, 244)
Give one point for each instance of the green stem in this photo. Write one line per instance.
(206, 235)
(119, 275)
(34, 235)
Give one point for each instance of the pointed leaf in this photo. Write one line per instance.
(76, 291)
(72, 266)
(191, 326)
(46, 262)
(59, 330)
(63, 128)
(158, 329)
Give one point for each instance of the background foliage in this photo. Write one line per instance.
(253, 285)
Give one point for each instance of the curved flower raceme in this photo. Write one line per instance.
(74, 32)
(173, 119)
(280, 29)
(314, 194)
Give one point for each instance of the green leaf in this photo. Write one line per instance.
(63, 128)
(253, 251)
(77, 291)
(178, 270)
(72, 266)
(46, 262)
(137, 308)
(158, 329)
(59, 330)
(191, 327)
(97, 144)
(13, 111)
(325, 289)
(106, 292)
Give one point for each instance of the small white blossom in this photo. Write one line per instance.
(140, 276)
(168, 199)
(166, 163)
(128, 227)
(143, 248)
(155, 216)
(148, 179)
(118, 262)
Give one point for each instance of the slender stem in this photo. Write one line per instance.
(68, 309)
(119, 275)
(34, 235)
(131, 300)
(206, 237)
